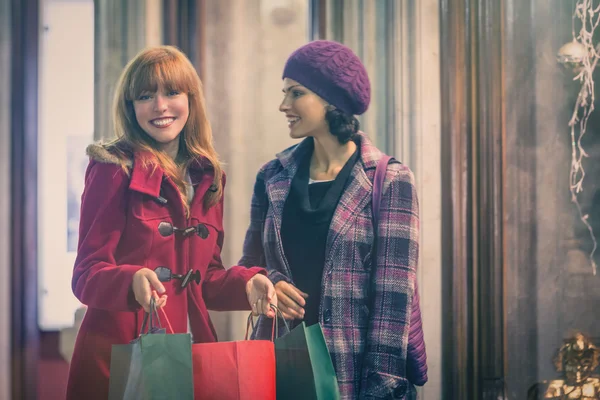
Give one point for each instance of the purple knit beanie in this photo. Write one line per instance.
(332, 71)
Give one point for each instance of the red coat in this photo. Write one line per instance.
(118, 235)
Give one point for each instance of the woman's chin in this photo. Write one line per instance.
(297, 134)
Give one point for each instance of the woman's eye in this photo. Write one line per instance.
(143, 97)
(297, 93)
(174, 92)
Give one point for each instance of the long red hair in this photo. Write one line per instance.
(168, 67)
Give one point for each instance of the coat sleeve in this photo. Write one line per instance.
(98, 281)
(225, 289)
(253, 252)
(384, 373)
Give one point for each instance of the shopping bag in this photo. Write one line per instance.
(241, 370)
(154, 366)
(304, 367)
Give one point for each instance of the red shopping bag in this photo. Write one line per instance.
(242, 370)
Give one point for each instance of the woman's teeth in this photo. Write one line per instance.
(162, 122)
(292, 121)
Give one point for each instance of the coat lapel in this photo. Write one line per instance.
(146, 175)
(355, 197)
(278, 189)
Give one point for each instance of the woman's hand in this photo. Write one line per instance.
(261, 294)
(291, 300)
(145, 285)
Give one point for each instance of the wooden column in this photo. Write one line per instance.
(24, 38)
(489, 251)
(473, 179)
(457, 200)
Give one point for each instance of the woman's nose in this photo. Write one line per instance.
(160, 103)
(284, 106)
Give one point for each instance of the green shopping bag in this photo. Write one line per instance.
(303, 366)
(154, 366)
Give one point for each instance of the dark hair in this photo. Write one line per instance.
(341, 125)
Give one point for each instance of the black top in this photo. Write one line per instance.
(307, 214)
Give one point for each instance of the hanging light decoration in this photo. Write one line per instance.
(581, 56)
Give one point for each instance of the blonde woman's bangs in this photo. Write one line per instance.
(170, 73)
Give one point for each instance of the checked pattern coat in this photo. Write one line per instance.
(365, 308)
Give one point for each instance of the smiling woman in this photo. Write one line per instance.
(304, 110)
(332, 260)
(161, 169)
(163, 114)
(169, 112)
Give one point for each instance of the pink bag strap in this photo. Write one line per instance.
(164, 313)
(378, 187)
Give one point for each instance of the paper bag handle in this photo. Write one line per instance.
(275, 328)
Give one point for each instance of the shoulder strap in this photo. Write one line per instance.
(378, 188)
(416, 357)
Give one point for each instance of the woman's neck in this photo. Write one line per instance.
(329, 157)
(171, 149)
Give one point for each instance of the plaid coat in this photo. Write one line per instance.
(365, 308)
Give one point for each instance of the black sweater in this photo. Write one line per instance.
(307, 214)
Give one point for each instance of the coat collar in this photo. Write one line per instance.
(355, 197)
(146, 174)
(291, 157)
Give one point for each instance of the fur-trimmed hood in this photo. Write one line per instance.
(99, 152)
(146, 177)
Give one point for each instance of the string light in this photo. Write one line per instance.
(582, 56)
